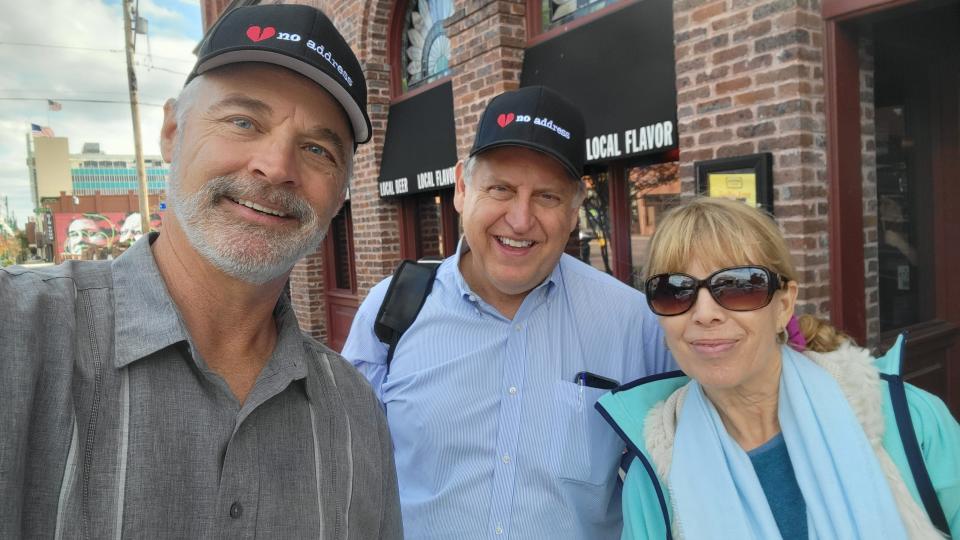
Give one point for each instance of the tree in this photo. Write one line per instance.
(11, 249)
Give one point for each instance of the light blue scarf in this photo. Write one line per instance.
(715, 490)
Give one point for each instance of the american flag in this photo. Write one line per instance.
(41, 131)
(53, 105)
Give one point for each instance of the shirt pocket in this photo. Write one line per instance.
(587, 448)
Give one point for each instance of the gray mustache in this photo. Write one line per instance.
(234, 187)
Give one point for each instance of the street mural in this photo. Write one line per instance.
(92, 235)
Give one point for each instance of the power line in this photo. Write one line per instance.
(71, 100)
(94, 49)
(150, 67)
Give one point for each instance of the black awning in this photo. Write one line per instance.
(619, 70)
(420, 150)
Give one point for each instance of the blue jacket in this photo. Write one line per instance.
(647, 510)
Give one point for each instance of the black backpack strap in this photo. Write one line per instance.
(901, 411)
(408, 291)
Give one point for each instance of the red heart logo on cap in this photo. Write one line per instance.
(255, 33)
(505, 119)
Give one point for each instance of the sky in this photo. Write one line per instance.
(65, 68)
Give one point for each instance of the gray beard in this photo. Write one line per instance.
(246, 251)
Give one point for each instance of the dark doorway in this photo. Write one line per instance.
(916, 71)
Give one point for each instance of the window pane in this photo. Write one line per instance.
(902, 207)
(558, 12)
(339, 233)
(653, 190)
(595, 223)
(426, 47)
(431, 232)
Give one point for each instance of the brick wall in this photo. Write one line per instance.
(749, 79)
(306, 294)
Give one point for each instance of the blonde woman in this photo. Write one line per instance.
(762, 436)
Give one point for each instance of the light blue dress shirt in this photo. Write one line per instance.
(492, 436)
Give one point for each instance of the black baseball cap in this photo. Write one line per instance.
(297, 37)
(534, 117)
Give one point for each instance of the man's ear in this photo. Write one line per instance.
(169, 130)
(460, 190)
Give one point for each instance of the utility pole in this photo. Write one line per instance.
(129, 37)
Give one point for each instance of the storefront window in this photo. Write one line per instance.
(431, 234)
(902, 201)
(425, 43)
(651, 190)
(595, 223)
(654, 189)
(558, 12)
(342, 247)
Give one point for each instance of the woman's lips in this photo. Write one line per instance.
(713, 346)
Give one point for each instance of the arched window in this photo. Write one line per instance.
(554, 13)
(425, 45)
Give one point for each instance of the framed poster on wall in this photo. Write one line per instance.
(744, 178)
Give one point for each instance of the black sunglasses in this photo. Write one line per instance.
(739, 288)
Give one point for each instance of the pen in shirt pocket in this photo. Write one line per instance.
(586, 378)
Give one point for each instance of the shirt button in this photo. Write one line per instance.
(519, 327)
(472, 298)
(506, 458)
(513, 390)
(236, 510)
(498, 530)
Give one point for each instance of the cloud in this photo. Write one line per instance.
(150, 10)
(41, 73)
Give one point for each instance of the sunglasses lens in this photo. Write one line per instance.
(671, 294)
(741, 289)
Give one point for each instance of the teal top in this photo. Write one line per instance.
(771, 462)
(647, 511)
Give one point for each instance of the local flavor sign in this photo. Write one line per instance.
(659, 136)
(420, 150)
(619, 70)
(424, 181)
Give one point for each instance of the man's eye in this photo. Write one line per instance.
(242, 123)
(550, 200)
(498, 192)
(316, 149)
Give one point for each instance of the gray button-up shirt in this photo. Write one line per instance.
(112, 424)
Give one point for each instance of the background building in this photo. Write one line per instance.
(92, 171)
(88, 202)
(853, 104)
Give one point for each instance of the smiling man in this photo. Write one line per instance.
(170, 392)
(490, 392)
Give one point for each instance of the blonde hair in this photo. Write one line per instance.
(718, 232)
(723, 232)
(821, 336)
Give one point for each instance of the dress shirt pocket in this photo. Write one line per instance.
(587, 449)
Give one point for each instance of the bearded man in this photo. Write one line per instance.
(170, 392)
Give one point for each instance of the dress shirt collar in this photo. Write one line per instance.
(147, 320)
(145, 317)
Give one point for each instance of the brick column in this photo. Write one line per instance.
(749, 79)
(487, 39)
